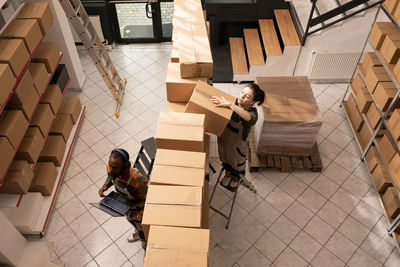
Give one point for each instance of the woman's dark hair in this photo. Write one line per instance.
(259, 94)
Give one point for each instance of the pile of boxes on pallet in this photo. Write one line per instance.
(289, 120)
(31, 144)
(373, 91)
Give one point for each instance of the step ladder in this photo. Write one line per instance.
(79, 19)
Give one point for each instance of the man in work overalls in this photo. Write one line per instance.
(129, 182)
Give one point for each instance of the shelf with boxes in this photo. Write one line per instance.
(372, 109)
(32, 215)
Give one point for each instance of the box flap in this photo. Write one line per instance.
(173, 258)
(180, 132)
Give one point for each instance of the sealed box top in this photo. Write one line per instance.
(183, 239)
(289, 99)
(175, 175)
(173, 258)
(180, 158)
(174, 195)
(179, 118)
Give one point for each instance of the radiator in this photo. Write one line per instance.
(333, 66)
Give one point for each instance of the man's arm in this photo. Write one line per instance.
(107, 184)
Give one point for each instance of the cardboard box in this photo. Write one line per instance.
(390, 49)
(373, 159)
(379, 32)
(391, 202)
(7, 81)
(180, 131)
(386, 147)
(31, 145)
(62, 125)
(18, 178)
(174, 195)
(13, 125)
(187, 138)
(357, 83)
(177, 175)
(363, 99)
(23, 91)
(7, 153)
(53, 97)
(48, 54)
(373, 116)
(370, 60)
(43, 119)
(180, 158)
(173, 258)
(53, 150)
(394, 168)
(179, 89)
(14, 53)
(384, 94)
(44, 178)
(207, 140)
(40, 11)
(394, 124)
(381, 179)
(364, 136)
(27, 30)
(72, 106)
(216, 117)
(391, 5)
(179, 238)
(176, 106)
(40, 76)
(353, 112)
(205, 208)
(170, 215)
(374, 76)
(195, 57)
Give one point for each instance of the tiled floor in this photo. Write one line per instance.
(297, 219)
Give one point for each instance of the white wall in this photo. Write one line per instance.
(351, 35)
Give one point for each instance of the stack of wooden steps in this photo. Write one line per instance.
(248, 61)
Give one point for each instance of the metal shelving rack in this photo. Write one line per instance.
(393, 223)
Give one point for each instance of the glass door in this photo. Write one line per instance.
(141, 21)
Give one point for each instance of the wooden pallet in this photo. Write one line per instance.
(285, 163)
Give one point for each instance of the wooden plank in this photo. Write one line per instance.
(238, 56)
(307, 163)
(263, 161)
(286, 164)
(316, 159)
(286, 27)
(277, 161)
(270, 161)
(253, 47)
(270, 39)
(293, 160)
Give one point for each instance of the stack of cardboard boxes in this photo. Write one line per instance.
(372, 93)
(191, 58)
(32, 143)
(178, 194)
(289, 120)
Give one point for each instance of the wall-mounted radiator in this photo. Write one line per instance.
(333, 66)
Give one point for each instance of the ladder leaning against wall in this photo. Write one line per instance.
(79, 19)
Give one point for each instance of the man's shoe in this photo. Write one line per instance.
(133, 237)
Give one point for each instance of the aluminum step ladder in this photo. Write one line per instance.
(79, 19)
